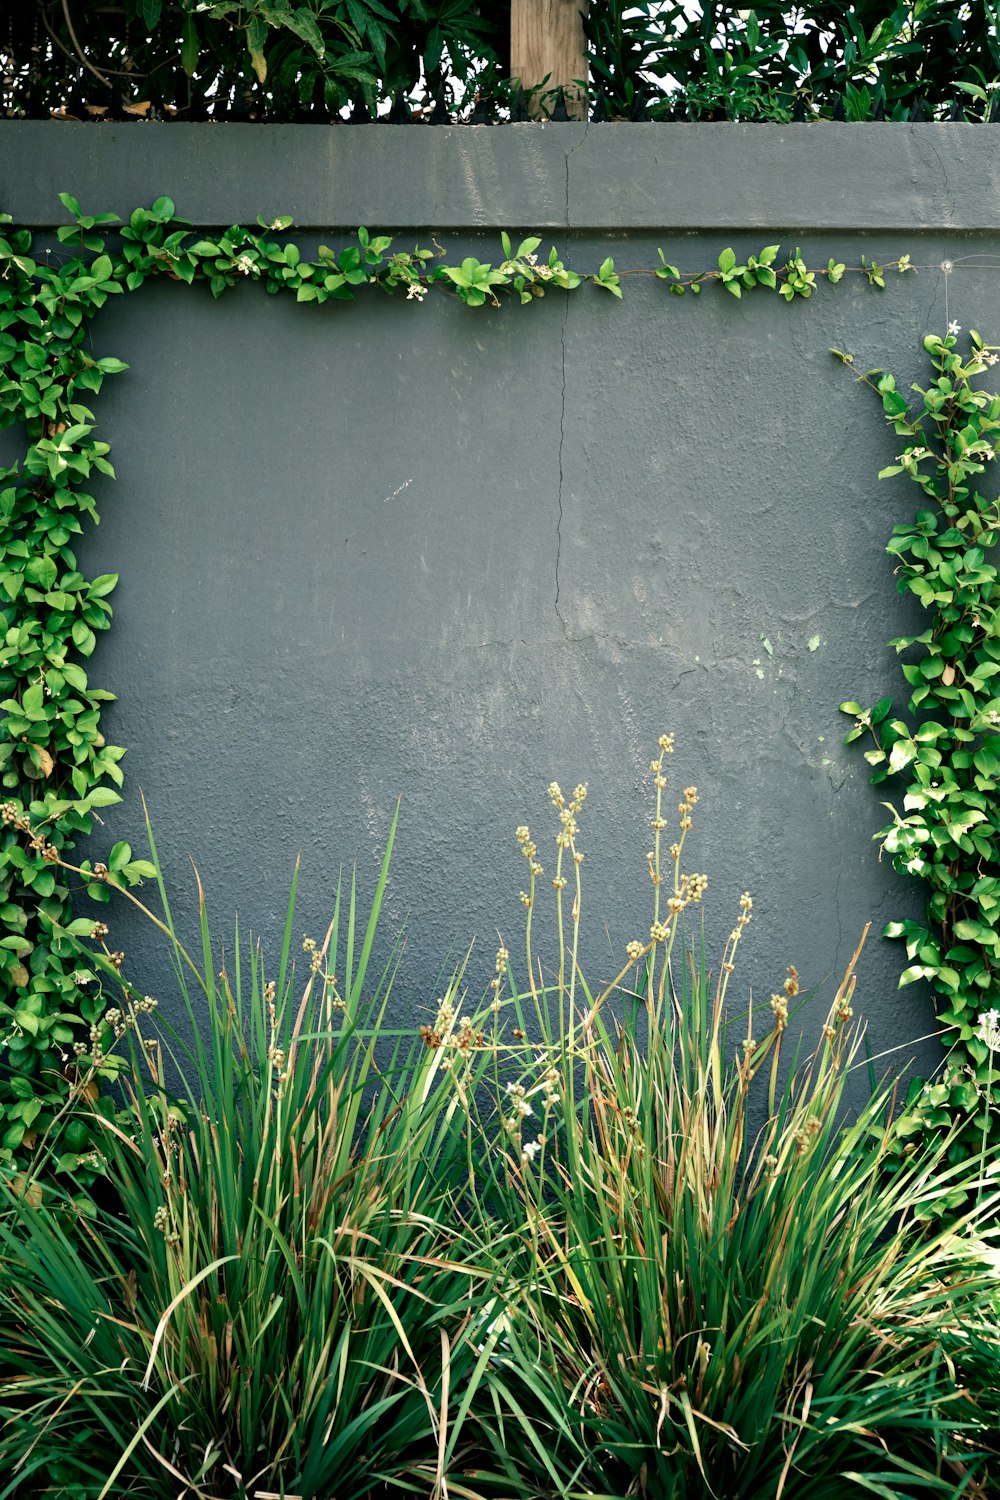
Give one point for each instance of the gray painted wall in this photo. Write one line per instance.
(399, 550)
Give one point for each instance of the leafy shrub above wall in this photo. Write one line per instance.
(281, 60)
(871, 60)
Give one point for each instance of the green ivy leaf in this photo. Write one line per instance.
(101, 796)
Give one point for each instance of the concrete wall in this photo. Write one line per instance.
(392, 550)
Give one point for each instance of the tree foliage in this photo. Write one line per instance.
(316, 60)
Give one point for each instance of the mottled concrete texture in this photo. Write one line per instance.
(607, 177)
(399, 550)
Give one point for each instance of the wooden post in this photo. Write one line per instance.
(547, 39)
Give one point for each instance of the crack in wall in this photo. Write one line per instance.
(559, 495)
(562, 408)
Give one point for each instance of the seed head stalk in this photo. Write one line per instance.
(659, 822)
(566, 844)
(685, 890)
(987, 1032)
(662, 932)
(987, 1100)
(530, 852)
(577, 901)
(559, 882)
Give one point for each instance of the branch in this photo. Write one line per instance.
(58, 42)
(79, 50)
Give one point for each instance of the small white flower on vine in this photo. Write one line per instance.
(954, 329)
(989, 1029)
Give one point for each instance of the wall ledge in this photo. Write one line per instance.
(823, 176)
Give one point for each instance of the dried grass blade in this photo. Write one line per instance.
(185, 1291)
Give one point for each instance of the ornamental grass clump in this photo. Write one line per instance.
(576, 1242)
(719, 1289)
(269, 1303)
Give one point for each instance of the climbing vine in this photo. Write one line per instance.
(58, 773)
(945, 758)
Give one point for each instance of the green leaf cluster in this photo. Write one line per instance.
(246, 59)
(944, 756)
(310, 59)
(867, 61)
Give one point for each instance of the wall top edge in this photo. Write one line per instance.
(607, 177)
